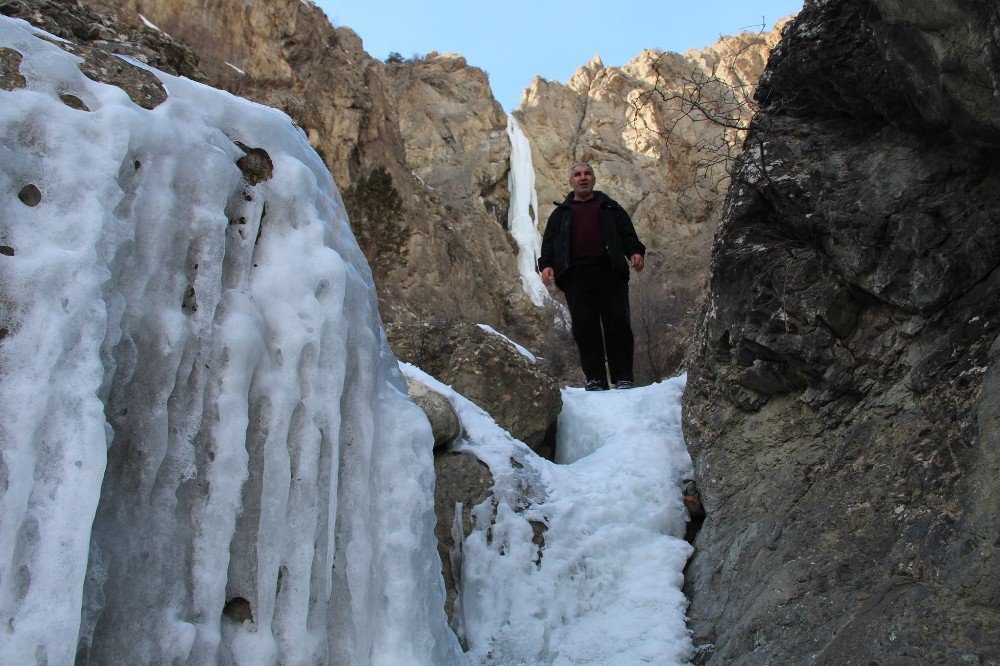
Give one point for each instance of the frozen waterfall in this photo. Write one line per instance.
(522, 215)
(206, 450)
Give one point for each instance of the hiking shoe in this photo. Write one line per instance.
(625, 384)
(595, 385)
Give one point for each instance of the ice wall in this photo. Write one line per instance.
(206, 453)
(522, 215)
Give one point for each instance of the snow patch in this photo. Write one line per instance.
(521, 350)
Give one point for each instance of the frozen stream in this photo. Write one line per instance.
(606, 586)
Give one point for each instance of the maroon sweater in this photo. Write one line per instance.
(586, 239)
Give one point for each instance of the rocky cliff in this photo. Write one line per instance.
(663, 161)
(844, 392)
(431, 123)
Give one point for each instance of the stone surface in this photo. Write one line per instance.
(10, 69)
(485, 369)
(842, 395)
(672, 186)
(461, 479)
(81, 26)
(444, 421)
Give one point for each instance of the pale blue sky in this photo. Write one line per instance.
(516, 39)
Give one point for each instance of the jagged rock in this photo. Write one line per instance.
(10, 70)
(444, 420)
(606, 116)
(460, 478)
(842, 398)
(485, 369)
(255, 164)
(453, 129)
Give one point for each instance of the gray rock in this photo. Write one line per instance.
(842, 394)
(444, 421)
(485, 369)
(71, 21)
(10, 69)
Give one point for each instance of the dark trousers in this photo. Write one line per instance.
(598, 302)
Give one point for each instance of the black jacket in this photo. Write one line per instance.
(620, 239)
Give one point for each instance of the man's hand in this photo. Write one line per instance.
(637, 261)
(547, 275)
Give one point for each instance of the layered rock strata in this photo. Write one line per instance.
(844, 392)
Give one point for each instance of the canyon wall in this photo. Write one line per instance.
(844, 391)
(432, 124)
(663, 161)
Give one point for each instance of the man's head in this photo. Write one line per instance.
(582, 179)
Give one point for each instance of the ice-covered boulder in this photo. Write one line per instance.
(206, 452)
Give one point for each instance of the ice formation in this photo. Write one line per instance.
(581, 562)
(522, 215)
(206, 452)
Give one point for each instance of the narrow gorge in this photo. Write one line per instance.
(280, 383)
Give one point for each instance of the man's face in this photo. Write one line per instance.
(582, 181)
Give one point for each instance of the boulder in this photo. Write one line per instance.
(444, 421)
(485, 368)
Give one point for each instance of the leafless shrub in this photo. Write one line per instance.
(716, 100)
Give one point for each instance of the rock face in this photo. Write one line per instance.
(84, 28)
(432, 123)
(444, 420)
(487, 370)
(843, 397)
(461, 479)
(661, 164)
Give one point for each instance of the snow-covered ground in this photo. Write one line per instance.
(605, 588)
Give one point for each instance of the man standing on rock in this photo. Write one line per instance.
(588, 246)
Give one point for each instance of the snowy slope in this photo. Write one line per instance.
(604, 587)
(207, 453)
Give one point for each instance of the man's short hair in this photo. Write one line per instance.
(577, 164)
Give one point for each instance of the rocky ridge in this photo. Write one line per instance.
(842, 402)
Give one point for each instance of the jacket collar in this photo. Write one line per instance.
(601, 197)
